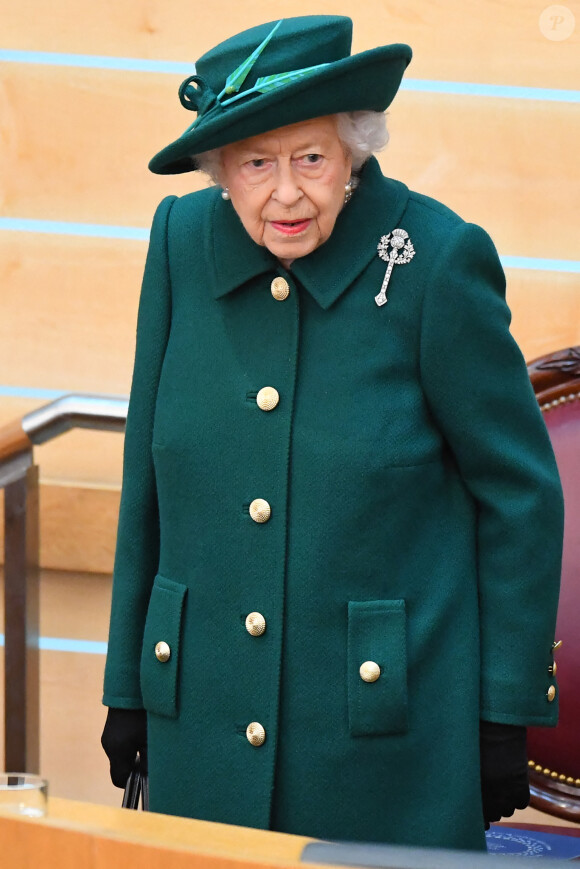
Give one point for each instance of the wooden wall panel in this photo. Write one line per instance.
(87, 599)
(497, 41)
(72, 719)
(68, 311)
(72, 606)
(510, 165)
(99, 130)
(545, 310)
(78, 527)
(82, 458)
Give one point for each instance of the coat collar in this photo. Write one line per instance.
(375, 209)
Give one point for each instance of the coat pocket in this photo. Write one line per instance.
(161, 641)
(377, 635)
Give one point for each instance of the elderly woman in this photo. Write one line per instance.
(339, 542)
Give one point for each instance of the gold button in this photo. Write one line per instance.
(255, 624)
(553, 669)
(556, 645)
(280, 289)
(255, 734)
(369, 671)
(267, 398)
(162, 652)
(551, 693)
(260, 510)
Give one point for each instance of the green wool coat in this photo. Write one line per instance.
(416, 521)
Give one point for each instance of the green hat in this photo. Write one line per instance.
(278, 74)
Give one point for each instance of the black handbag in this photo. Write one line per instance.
(137, 787)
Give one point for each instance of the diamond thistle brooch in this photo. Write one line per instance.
(388, 249)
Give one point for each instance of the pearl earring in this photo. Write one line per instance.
(226, 193)
(348, 188)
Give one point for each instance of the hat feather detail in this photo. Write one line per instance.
(235, 80)
(270, 82)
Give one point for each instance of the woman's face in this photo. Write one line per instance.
(287, 186)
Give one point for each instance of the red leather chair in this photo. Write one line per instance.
(555, 752)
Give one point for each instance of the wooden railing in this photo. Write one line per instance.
(19, 479)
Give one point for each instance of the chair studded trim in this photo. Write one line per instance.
(550, 773)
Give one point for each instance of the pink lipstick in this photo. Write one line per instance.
(290, 227)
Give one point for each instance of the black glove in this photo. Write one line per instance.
(504, 770)
(125, 734)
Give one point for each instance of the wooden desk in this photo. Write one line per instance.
(87, 836)
(78, 835)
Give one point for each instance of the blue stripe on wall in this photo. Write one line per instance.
(61, 227)
(136, 233)
(34, 393)
(540, 264)
(476, 89)
(62, 644)
(136, 64)
(95, 61)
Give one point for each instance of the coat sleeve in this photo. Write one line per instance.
(479, 393)
(137, 549)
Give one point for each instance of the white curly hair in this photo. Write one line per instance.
(361, 133)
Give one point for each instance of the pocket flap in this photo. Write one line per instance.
(377, 703)
(161, 642)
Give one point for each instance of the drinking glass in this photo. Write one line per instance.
(23, 793)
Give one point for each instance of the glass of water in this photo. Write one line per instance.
(23, 794)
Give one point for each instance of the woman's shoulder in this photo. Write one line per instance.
(429, 210)
(434, 222)
(180, 217)
(197, 203)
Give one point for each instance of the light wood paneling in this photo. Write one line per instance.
(75, 605)
(509, 165)
(72, 606)
(99, 130)
(545, 310)
(463, 40)
(87, 458)
(78, 527)
(72, 720)
(68, 310)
